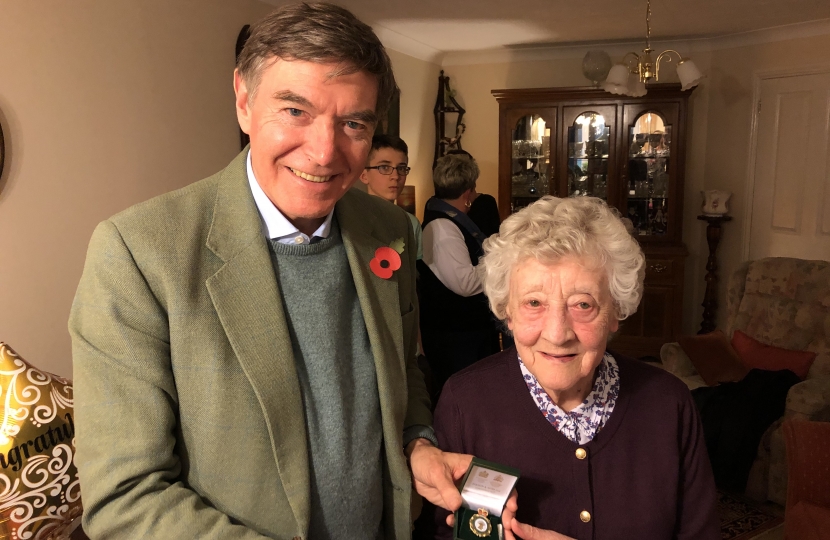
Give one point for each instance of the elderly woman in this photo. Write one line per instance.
(457, 327)
(608, 447)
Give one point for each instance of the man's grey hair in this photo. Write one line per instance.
(551, 229)
(321, 33)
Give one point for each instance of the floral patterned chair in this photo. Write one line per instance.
(785, 303)
(807, 514)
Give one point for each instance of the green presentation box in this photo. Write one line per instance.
(485, 489)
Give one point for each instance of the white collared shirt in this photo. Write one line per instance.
(276, 226)
(446, 254)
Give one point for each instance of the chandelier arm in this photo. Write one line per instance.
(660, 57)
(633, 58)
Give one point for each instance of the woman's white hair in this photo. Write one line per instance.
(551, 229)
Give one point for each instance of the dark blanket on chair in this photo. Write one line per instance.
(735, 417)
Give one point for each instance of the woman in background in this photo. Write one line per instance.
(457, 328)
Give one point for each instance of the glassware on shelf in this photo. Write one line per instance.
(661, 184)
(534, 148)
(600, 186)
(634, 216)
(659, 220)
(637, 143)
(532, 182)
(665, 144)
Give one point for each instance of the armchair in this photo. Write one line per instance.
(807, 514)
(786, 303)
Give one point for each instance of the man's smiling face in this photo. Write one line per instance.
(310, 135)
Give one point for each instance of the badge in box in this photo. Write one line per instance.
(485, 489)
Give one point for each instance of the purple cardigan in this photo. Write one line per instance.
(645, 476)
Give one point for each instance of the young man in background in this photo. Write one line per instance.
(385, 174)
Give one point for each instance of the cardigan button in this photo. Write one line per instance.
(581, 453)
(585, 516)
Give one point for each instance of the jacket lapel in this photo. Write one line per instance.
(380, 304)
(247, 300)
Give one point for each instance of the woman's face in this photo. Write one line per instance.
(561, 315)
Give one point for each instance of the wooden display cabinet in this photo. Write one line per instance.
(575, 142)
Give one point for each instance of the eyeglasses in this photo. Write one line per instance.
(403, 170)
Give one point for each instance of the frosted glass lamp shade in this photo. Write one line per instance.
(688, 74)
(636, 87)
(619, 89)
(618, 75)
(617, 81)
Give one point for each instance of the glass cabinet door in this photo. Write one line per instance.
(588, 141)
(531, 167)
(588, 150)
(649, 179)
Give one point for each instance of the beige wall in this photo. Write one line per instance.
(418, 81)
(104, 104)
(730, 115)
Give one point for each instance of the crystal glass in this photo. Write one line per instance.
(649, 154)
(588, 151)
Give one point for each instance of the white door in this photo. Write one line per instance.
(791, 198)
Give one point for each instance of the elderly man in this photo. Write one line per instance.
(240, 370)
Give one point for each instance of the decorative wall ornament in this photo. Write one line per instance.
(449, 120)
(595, 66)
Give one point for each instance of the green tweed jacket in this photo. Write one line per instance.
(189, 417)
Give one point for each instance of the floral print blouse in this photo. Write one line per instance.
(582, 423)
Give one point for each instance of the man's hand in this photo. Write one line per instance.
(434, 473)
(526, 532)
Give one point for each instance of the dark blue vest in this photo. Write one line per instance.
(441, 309)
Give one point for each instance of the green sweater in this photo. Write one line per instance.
(339, 388)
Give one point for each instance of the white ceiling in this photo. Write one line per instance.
(445, 26)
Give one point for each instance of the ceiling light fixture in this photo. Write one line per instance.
(630, 77)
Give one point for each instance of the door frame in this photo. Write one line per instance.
(758, 78)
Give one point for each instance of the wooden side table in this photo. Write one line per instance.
(710, 298)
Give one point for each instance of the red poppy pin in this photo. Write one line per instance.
(387, 259)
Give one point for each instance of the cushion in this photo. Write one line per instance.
(713, 357)
(805, 521)
(40, 486)
(756, 355)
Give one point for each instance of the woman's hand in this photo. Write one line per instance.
(526, 532)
